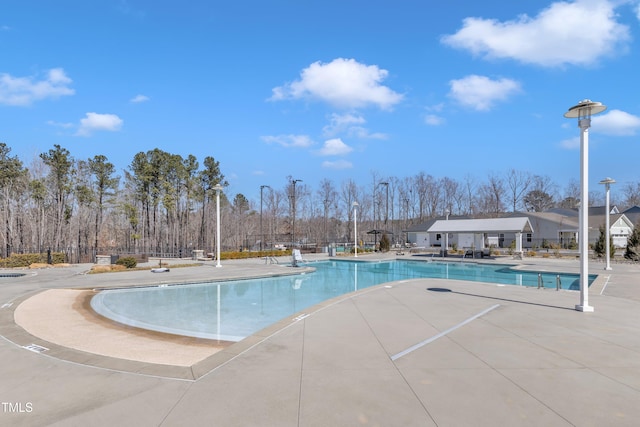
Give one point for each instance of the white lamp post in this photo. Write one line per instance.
(355, 228)
(607, 184)
(446, 236)
(262, 187)
(583, 112)
(218, 188)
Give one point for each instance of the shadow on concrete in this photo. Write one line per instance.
(499, 299)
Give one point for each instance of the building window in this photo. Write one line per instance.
(528, 237)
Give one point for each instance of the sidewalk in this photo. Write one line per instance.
(411, 353)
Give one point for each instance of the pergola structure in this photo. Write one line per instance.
(480, 227)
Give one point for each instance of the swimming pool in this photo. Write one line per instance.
(233, 310)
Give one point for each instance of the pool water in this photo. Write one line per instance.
(233, 310)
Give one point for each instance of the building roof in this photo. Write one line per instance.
(424, 226)
(600, 220)
(487, 225)
(563, 222)
(633, 213)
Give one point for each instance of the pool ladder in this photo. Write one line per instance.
(558, 282)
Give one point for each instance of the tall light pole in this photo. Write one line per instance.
(386, 214)
(293, 223)
(406, 220)
(262, 187)
(218, 188)
(583, 112)
(446, 236)
(355, 228)
(607, 184)
(375, 222)
(326, 239)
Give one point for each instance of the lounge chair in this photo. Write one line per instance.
(296, 257)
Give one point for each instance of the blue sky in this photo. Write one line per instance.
(326, 89)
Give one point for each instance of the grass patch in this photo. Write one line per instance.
(97, 269)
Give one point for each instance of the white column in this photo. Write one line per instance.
(583, 233)
(355, 229)
(218, 188)
(583, 112)
(608, 230)
(518, 242)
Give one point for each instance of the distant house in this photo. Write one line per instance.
(561, 227)
(477, 233)
(417, 235)
(633, 213)
(556, 226)
(549, 227)
(620, 227)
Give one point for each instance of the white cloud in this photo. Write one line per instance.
(60, 125)
(480, 92)
(299, 141)
(616, 122)
(335, 147)
(363, 133)
(338, 164)
(571, 143)
(349, 124)
(139, 98)
(433, 120)
(339, 123)
(99, 122)
(23, 91)
(578, 33)
(343, 83)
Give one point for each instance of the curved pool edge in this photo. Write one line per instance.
(14, 334)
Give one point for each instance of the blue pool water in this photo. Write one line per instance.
(233, 310)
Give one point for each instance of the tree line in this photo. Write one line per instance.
(164, 204)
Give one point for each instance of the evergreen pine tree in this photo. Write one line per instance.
(633, 245)
(599, 248)
(385, 243)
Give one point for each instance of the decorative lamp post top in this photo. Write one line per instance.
(585, 108)
(607, 180)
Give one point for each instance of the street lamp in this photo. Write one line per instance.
(446, 236)
(218, 188)
(375, 222)
(607, 184)
(262, 187)
(293, 223)
(583, 112)
(355, 229)
(386, 207)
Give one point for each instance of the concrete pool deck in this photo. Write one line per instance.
(482, 355)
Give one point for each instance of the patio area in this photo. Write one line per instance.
(411, 353)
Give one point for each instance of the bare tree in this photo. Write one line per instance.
(518, 182)
(12, 183)
(450, 192)
(349, 193)
(467, 205)
(491, 195)
(631, 192)
(328, 196)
